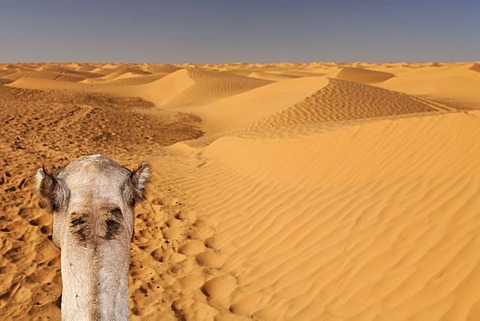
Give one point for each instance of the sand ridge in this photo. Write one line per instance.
(363, 75)
(344, 100)
(291, 191)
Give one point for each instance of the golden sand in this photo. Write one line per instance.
(286, 191)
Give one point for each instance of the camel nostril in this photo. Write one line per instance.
(113, 229)
(77, 221)
(116, 212)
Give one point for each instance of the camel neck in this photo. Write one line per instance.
(95, 284)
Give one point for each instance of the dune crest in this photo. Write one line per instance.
(363, 75)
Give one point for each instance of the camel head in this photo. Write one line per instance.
(92, 200)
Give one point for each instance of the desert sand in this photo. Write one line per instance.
(319, 191)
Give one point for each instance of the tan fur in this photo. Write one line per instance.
(92, 200)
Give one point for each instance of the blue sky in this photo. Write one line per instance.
(213, 31)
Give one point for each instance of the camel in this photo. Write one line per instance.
(92, 200)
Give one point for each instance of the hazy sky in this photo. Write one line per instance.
(214, 31)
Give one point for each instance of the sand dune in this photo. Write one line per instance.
(475, 67)
(210, 86)
(320, 191)
(354, 223)
(163, 90)
(44, 80)
(9, 76)
(186, 87)
(452, 83)
(269, 76)
(363, 75)
(125, 80)
(166, 68)
(121, 73)
(342, 101)
(241, 110)
(182, 87)
(54, 75)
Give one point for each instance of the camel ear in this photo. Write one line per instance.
(51, 190)
(134, 189)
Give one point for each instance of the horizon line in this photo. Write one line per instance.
(244, 62)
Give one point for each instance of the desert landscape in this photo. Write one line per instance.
(289, 191)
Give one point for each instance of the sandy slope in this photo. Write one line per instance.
(458, 83)
(358, 223)
(322, 191)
